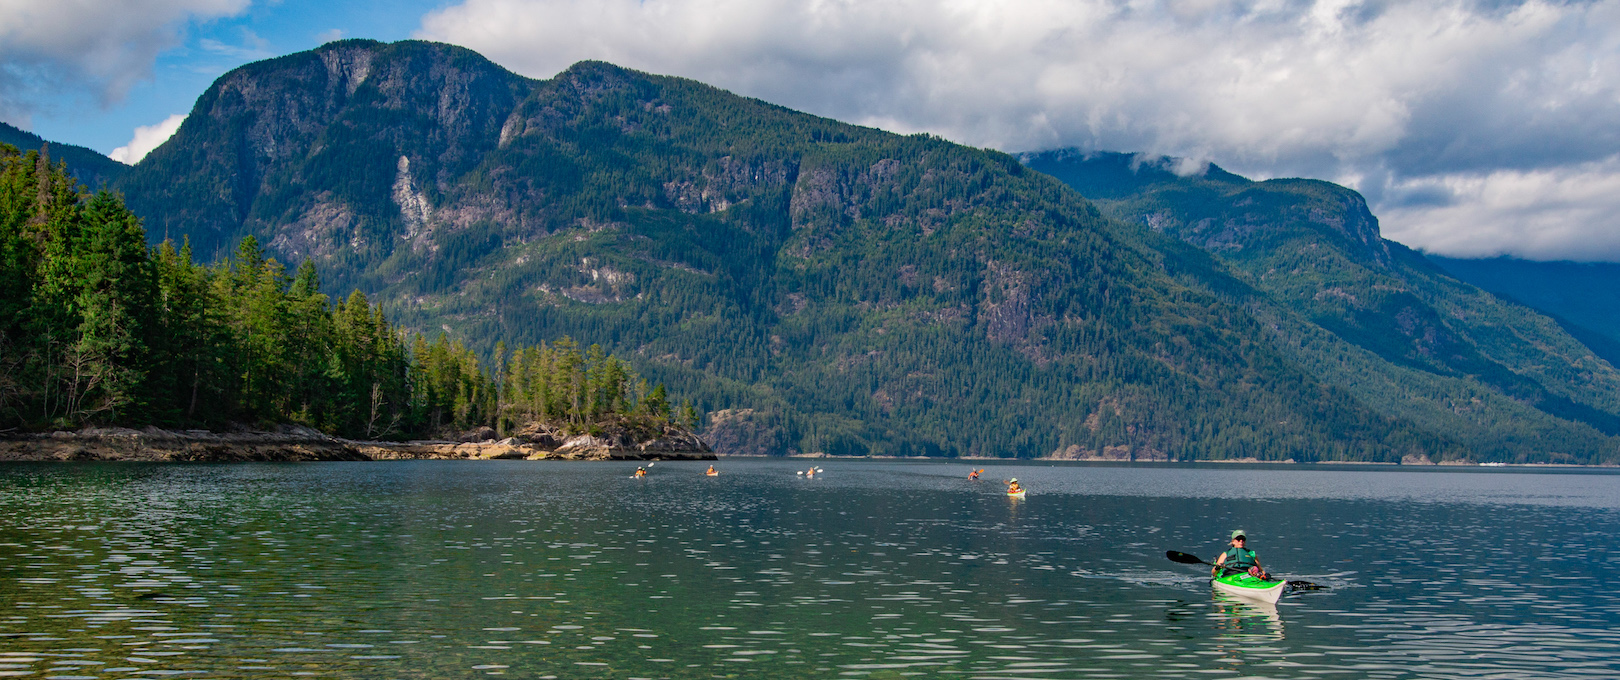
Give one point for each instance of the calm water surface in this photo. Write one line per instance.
(439, 569)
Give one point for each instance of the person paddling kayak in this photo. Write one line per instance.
(711, 471)
(1013, 487)
(1239, 559)
(641, 472)
(974, 475)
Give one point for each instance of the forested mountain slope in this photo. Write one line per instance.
(817, 286)
(85, 165)
(1585, 296)
(1368, 314)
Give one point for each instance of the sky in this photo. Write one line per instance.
(1474, 128)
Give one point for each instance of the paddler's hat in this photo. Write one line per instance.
(1238, 534)
(1012, 480)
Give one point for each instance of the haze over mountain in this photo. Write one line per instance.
(1584, 296)
(827, 287)
(1363, 312)
(86, 165)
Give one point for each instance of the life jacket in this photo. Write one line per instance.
(1240, 559)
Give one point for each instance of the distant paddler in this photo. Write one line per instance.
(809, 473)
(974, 475)
(1014, 490)
(641, 472)
(711, 472)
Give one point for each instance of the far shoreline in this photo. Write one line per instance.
(1234, 462)
(294, 443)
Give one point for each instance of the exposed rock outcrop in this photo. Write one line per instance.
(296, 443)
(287, 443)
(1110, 453)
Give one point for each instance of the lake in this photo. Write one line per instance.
(873, 569)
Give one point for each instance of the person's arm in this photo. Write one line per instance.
(1216, 570)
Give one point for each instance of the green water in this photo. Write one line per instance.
(439, 569)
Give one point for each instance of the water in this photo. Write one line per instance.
(437, 569)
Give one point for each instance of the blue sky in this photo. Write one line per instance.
(210, 47)
(1473, 127)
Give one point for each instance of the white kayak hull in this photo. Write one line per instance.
(1251, 588)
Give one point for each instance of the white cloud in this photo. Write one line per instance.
(147, 138)
(104, 45)
(1393, 93)
(1557, 213)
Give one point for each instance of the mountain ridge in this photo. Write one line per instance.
(819, 286)
(1313, 248)
(88, 166)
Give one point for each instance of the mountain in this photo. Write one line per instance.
(89, 167)
(816, 286)
(1368, 314)
(1583, 296)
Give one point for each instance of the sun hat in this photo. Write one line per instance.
(1238, 533)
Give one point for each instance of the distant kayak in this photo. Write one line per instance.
(1244, 585)
(713, 473)
(1017, 494)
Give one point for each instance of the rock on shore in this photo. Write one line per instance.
(297, 443)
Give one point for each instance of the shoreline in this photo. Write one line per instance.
(293, 443)
(1236, 462)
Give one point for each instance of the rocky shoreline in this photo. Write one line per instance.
(296, 443)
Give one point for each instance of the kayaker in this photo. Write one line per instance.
(810, 473)
(974, 475)
(711, 471)
(641, 472)
(1239, 558)
(1013, 487)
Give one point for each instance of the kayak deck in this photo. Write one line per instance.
(1244, 585)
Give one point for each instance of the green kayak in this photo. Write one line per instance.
(1244, 585)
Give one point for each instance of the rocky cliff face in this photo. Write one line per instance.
(853, 290)
(320, 142)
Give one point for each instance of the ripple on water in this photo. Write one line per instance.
(902, 569)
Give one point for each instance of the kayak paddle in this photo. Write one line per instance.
(1184, 558)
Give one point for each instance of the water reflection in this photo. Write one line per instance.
(1246, 620)
(429, 570)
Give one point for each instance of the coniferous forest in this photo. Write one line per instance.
(96, 328)
(813, 286)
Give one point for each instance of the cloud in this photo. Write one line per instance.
(147, 138)
(251, 47)
(1390, 96)
(1563, 213)
(329, 35)
(103, 46)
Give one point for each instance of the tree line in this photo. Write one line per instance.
(98, 328)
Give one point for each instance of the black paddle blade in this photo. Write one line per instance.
(1184, 558)
(1305, 585)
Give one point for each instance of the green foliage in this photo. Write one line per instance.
(809, 285)
(854, 291)
(97, 329)
(1369, 315)
(85, 165)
